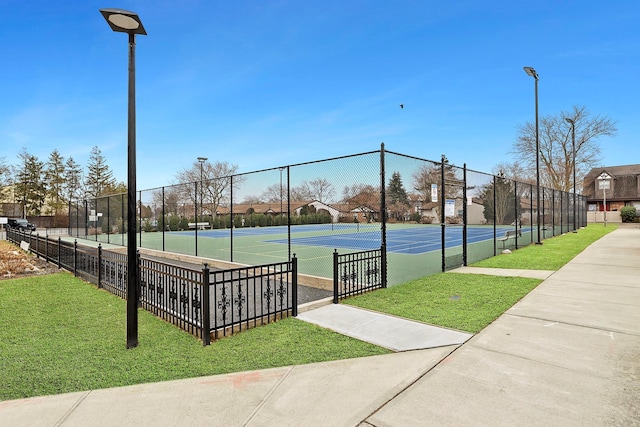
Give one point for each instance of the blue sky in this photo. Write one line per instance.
(267, 83)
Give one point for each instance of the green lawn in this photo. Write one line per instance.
(59, 334)
(467, 302)
(553, 253)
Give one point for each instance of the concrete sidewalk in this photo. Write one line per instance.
(567, 354)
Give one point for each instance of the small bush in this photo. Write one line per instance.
(628, 213)
(427, 219)
(454, 220)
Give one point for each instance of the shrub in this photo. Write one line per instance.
(427, 219)
(628, 213)
(453, 220)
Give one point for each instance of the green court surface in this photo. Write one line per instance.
(413, 250)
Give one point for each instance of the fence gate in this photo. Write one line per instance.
(358, 272)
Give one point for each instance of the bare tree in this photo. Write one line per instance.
(214, 188)
(301, 192)
(274, 193)
(556, 153)
(322, 190)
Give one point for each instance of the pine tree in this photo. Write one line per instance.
(99, 178)
(54, 179)
(72, 180)
(397, 198)
(30, 187)
(506, 203)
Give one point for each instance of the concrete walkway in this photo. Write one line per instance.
(386, 331)
(568, 354)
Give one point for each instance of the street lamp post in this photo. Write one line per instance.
(124, 21)
(281, 215)
(531, 72)
(201, 160)
(573, 150)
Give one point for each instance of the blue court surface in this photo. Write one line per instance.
(411, 241)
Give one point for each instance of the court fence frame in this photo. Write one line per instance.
(452, 197)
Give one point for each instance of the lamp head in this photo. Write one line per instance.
(531, 72)
(123, 21)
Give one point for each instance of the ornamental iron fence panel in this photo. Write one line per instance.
(358, 272)
(204, 303)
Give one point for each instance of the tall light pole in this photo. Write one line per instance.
(201, 160)
(124, 21)
(573, 150)
(281, 216)
(531, 72)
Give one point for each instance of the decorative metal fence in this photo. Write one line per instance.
(358, 272)
(205, 303)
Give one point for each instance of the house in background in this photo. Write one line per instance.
(624, 190)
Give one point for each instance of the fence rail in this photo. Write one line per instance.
(204, 302)
(358, 272)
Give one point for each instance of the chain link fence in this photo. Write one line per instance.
(430, 215)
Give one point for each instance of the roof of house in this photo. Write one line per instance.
(614, 171)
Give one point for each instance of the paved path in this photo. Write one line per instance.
(568, 354)
(386, 331)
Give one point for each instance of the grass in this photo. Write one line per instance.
(71, 337)
(466, 302)
(553, 253)
(470, 302)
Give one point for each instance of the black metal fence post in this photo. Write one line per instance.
(294, 284)
(195, 212)
(205, 312)
(59, 253)
(516, 219)
(231, 227)
(99, 266)
(335, 276)
(464, 215)
(75, 257)
(138, 275)
(442, 215)
(164, 218)
(289, 212)
(383, 202)
(383, 255)
(495, 250)
(531, 210)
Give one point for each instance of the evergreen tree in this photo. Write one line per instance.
(505, 201)
(4, 178)
(30, 187)
(54, 179)
(72, 180)
(397, 198)
(395, 190)
(99, 179)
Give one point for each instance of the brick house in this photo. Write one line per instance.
(624, 190)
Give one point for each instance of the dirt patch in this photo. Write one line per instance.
(15, 263)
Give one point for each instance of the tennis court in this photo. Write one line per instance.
(411, 241)
(414, 250)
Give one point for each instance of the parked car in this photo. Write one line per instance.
(20, 224)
